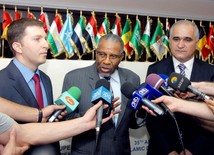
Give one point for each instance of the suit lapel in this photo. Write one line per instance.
(21, 86)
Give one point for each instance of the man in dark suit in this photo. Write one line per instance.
(27, 40)
(164, 139)
(114, 135)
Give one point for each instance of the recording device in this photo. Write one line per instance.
(69, 99)
(159, 84)
(103, 93)
(139, 97)
(181, 83)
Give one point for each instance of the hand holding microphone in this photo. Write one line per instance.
(69, 99)
(102, 93)
(139, 97)
(181, 83)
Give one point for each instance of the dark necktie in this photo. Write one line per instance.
(38, 89)
(182, 69)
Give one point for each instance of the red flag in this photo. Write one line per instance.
(44, 18)
(116, 29)
(17, 15)
(210, 40)
(29, 14)
(6, 22)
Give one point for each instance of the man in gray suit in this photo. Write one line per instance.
(114, 135)
(27, 40)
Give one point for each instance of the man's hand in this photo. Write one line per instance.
(49, 110)
(10, 148)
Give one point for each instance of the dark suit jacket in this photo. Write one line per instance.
(14, 87)
(114, 141)
(162, 130)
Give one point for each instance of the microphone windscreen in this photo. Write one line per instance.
(102, 82)
(178, 82)
(75, 92)
(154, 80)
(127, 89)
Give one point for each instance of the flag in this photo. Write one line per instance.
(145, 40)
(77, 37)
(166, 37)
(116, 28)
(65, 35)
(90, 33)
(29, 14)
(126, 36)
(103, 30)
(156, 43)
(135, 39)
(44, 18)
(53, 37)
(205, 52)
(210, 40)
(17, 15)
(6, 20)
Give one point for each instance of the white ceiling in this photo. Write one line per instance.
(190, 9)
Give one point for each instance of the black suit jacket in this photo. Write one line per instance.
(14, 87)
(162, 129)
(113, 140)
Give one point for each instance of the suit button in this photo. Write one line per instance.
(114, 139)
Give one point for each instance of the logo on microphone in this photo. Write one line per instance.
(69, 100)
(174, 80)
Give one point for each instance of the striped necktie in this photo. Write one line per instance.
(182, 69)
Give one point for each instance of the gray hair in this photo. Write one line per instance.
(114, 38)
(185, 22)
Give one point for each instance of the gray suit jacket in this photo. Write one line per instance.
(14, 87)
(112, 140)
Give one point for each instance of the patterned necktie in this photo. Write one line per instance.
(38, 89)
(182, 69)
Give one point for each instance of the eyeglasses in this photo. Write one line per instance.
(103, 55)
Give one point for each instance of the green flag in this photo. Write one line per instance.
(156, 44)
(135, 39)
(145, 40)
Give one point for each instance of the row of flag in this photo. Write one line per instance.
(84, 36)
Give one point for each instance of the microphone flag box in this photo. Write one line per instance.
(67, 100)
(137, 97)
(101, 93)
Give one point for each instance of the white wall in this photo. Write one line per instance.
(57, 69)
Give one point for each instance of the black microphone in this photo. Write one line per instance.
(103, 93)
(158, 83)
(181, 83)
(139, 97)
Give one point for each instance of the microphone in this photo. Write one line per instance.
(181, 83)
(159, 84)
(69, 99)
(103, 93)
(139, 96)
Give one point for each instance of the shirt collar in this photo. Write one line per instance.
(25, 71)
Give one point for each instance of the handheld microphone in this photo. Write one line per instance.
(181, 83)
(158, 84)
(69, 99)
(103, 93)
(139, 97)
